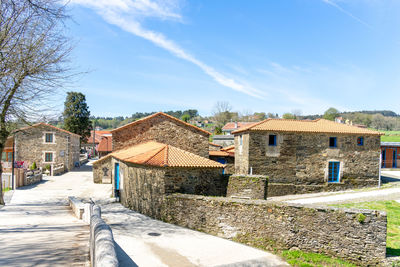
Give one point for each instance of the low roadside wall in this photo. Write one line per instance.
(101, 240)
(351, 234)
(249, 186)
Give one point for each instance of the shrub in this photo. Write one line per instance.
(47, 167)
(361, 217)
(33, 166)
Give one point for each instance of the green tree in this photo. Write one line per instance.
(331, 114)
(185, 117)
(76, 114)
(289, 116)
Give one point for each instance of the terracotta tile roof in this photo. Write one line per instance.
(164, 115)
(232, 125)
(212, 144)
(161, 155)
(307, 126)
(218, 153)
(48, 125)
(228, 148)
(105, 144)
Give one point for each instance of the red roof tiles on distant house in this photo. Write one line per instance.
(161, 155)
(164, 115)
(105, 144)
(236, 125)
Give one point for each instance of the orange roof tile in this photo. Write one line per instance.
(161, 155)
(212, 144)
(45, 124)
(161, 114)
(232, 125)
(307, 126)
(228, 148)
(218, 153)
(105, 144)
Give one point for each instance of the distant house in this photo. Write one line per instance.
(214, 147)
(233, 126)
(223, 140)
(308, 156)
(101, 140)
(224, 156)
(7, 155)
(45, 144)
(390, 154)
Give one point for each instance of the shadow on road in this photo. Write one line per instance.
(123, 258)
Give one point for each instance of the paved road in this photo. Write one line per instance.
(142, 241)
(392, 192)
(37, 227)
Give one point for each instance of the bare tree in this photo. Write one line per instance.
(222, 113)
(34, 56)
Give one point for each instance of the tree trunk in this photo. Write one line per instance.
(1, 172)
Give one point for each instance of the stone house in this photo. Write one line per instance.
(308, 156)
(46, 145)
(143, 174)
(165, 129)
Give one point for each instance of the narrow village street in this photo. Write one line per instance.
(38, 229)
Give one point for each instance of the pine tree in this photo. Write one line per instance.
(76, 114)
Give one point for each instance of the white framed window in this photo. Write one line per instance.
(48, 156)
(49, 138)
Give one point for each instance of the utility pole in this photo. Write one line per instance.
(94, 133)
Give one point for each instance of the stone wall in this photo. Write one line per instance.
(164, 130)
(354, 235)
(302, 159)
(242, 154)
(102, 171)
(143, 188)
(31, 146)
(249, 186)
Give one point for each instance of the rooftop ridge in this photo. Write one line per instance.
(158, 114)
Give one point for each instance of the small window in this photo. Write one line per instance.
(241, 140)
(272, 140)
(3, 156)
(360, 141)
(332, 142)
(48, 157)
(49, 138)
(9, 156)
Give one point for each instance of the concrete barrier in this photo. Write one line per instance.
(102, 245)
(77, 206)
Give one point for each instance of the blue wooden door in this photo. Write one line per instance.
(116, 176)
(334, 167)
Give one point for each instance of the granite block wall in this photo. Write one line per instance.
(351, 234)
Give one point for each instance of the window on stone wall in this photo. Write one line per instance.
(360, 141)
(332, 142)
(3, 156)
(48, 157)
(49, 138)
(272, 140)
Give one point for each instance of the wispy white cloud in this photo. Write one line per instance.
(332, 3)
(126, 14)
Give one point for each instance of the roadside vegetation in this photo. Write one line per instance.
(307, 259)
(392, 209)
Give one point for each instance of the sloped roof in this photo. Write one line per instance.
(218, 153)
(164, 115)
(307, 126)
(47, 125)
(161, 155)
(212, 144)
(105, 144)
(228, 151)
(232, 125)
(228, 148)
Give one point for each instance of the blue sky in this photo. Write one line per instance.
(270, 56)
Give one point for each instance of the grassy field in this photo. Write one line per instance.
(390, 136)
(392, 209)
